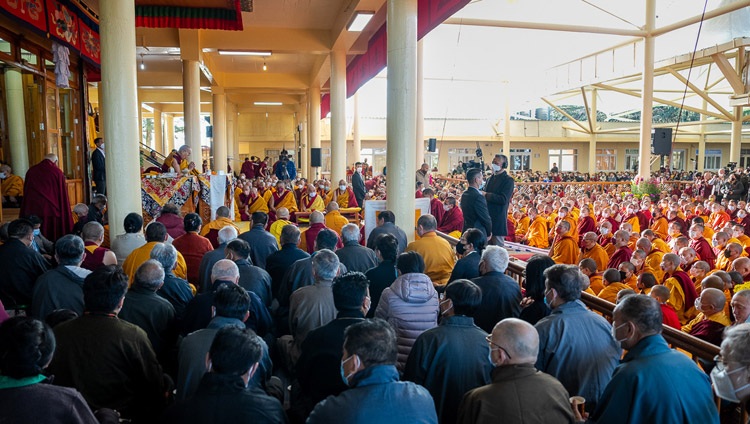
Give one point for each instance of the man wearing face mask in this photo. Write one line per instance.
(652, 367)
(681, 288)
(701, 246)
(358, 184)
(474, 204)
(514, 345)
(732, 372)
(98, 171)
(576, 346)
(368, 367)
(498, 192)
(606, 238)
(453, 217)
(27, 265)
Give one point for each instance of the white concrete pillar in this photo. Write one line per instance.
(506, 128)
(420, 105)
(338, 115)
(592, 136)
(219, 122)
(19, 150)
(191, 93)
(314, 125)
(120, 111)
(736, 140)
(302, 119)
(356, 153)
(236, 137)
(402, 111)
(647, 93)
(231, 152)
(168, 134)
(158, 130)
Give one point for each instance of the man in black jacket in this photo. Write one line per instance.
(353, 255)
(62, 287)
(252, 278)
(22, 265)
(358, 185)
(98, 170)
(501, 295)
(262, 243)
(498, 192)
(224, 236)
(387, 225)
(470, 246)
(474, 205)
(278, 263)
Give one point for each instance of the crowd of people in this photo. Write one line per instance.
(303, 319)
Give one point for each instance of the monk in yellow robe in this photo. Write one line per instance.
(632, 218)
(282, 220)
(522, 224)
(156, 232)
(282, 198)
(343, 195)
(251, 202)
(630, 279)
(177, 162)
(310, 201)
(211, 230)
(659, 224)
(536, 235)
(591, 249)
(334, 219)
(11, 186)
(572, 222)
(612, 285)
(588, 268)
(679, 299)
(564, 248)
(653, 257)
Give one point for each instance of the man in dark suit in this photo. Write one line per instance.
(262, 243)
(387, 225)
(498, 192)
(474, 205)
(98, 172)
(358, 185)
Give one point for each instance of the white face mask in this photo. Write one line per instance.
(724, 386)
(342, 187)
(604, 231)
(311, 195)
(2, 175)
(359, 170)
(495, 167)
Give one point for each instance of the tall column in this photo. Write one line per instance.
(304, 163)
(219, 122)
(120, 110)
(647, 93)
(338, 116)
(19, 150)
(236, 136)
(314, 125)
(736, 140)
(402, 111)
(158, 130)
(420, 105)
(592, 136)
(231, 152)
(191, 81)
(506, 128)
(168, 134)
(356, 154)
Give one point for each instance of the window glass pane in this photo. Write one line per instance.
(29, 57)
(5, 47)
(568, 163)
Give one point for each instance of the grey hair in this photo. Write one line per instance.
(92, 231)
(737, 343)
(69, 250)
(166, 255)
(150, 275)
(224, 270)
(495, 258)
(325, 264)
(350, 232)
(227, 234)
(289, 234)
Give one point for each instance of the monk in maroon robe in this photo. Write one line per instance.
(623, 252)
(703, 249)
(453, 219)
(248, 169)
(46, 196)
(585, 224)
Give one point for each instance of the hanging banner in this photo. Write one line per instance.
(63, 23)
(90, 47)
(29, 11)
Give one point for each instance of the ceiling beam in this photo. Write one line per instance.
(729, 73)
(545, 26)
(701, 93)
(279, 40)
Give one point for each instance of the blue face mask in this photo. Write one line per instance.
(344, 377)
(489, 357)
(37, 232)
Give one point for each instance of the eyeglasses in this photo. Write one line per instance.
(489, 340)
(719, 363)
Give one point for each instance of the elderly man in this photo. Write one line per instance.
(591, 249)
(501, 295)
(518, 392)
(156, 232)
(688, 258)
(742, 265)
(61, 288)
(124, 244)
(681, 288)
(223, 219)
(279, 262)
(96, 256)
(252, 278)
(308, 235)
(21, 263)
(387, 225)
(176, 290)
(622, 252)
(652, 380)
(262, 243)
(354, 256)
(149, 311)
(193, 247)
(310, 201)
(343, 195)
(225, 393)
(653, 256)
(701, 246)
(312, 306)
(606, 237)
(46, 196)
(437, 253)
(11, 187)
(564, 248)
(423, 175)
(375, 394)
(576, 345)
(118, 369)
(732, 252)
(177, 162)
(711, 320)
(432, 363)
(741, 307)
(334, 219)
(282, 220)
(224, 236)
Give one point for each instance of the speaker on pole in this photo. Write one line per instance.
(431, 144)
(315, 159)
(661, 144)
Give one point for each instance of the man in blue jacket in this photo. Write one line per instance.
(375, 395)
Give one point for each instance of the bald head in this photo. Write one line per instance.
(712, 282)
(317, 218)
(282, 213)
(712, 301)
(660, 293)
(622, 237)
(332, 206)
(742, 265)
(519, 338)
(644, 244)
(225, 270)
(51, 157)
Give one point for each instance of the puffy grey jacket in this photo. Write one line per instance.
(410, 305)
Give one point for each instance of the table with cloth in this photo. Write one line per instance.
(202, 194)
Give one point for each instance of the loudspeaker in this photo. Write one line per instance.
(210, 131)
(661, 144)
(432, 145)
(315, 159)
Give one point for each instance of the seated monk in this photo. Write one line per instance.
(711, 321)
(536, 236)
(622, 252)
(657, 241)
(343, 195)
(177, 162)
(646, 282)
(282, 220)
(95, 255)
(612, 285)
(606, 238)
(669, 316)
(211, 230)
(627, 275)
(591, 249)
(638, 259)
(659, 224)
(653, 256)
(588, 268)
(586, 222)
(564, 248)
(682, 291)
(453, 218)
(281, 198)
(250, 202)
(334, 219)
(11, 186)
(310, 200)
(701, 245)
(156, 233)
(308, 235)
(699, 271)
(436, 206)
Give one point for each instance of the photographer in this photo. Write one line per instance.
(733, 188)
